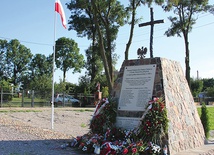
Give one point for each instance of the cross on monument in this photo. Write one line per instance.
(152, 23)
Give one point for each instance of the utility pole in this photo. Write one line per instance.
(151, 23)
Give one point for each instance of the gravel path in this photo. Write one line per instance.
(30, 133)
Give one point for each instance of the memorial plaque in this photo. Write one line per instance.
(137, 87)
(128, 123)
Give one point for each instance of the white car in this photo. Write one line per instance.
(59, 99)
(75, 102)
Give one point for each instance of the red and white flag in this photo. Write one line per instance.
(59, 9)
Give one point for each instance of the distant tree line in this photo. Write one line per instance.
(99, 21)
(205, 85)
(20, 69)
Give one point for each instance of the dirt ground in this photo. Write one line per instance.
(69, 121)
(29, 130)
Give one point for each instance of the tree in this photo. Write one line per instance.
(207, 82)
(205, 119)
(3, 50)
(17, 60)
(108, 17)
(42, 84)
(131, 8)
(99, 21)
(210, 91)
(5, 85)
(40, 65)
(196, 87)
(183, 22)
(68, 56)
(94, 65)
(82, 20)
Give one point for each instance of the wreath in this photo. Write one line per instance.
(104, 116)
(105, 139)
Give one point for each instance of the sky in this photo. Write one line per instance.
(32, 23)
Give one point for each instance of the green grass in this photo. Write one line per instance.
(211, 116)
(26, 99)
(81, 110)
(27, 110)
(17, 102)
(83, 125)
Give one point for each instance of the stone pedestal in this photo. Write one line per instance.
(185, 129)
(98, 95)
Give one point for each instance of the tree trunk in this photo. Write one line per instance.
(187, 59)
(131, 31)
(64, 75)
(102, 49)
(93, 68)
(109, 53)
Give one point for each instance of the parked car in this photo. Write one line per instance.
(67, 99)
(75, 102)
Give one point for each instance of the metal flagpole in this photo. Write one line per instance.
(54, 47)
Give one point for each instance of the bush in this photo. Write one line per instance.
(205, 119)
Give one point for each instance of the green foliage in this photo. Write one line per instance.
(5, 86)
(210, 91)
(3, 49)
(183, 21)
(94, 64)
(68, 56)
(196, 87)
(100, 23)
(105, 93)
(40, 65)
(104, 119)
(205, 119)
(42, 84)
(18, 57)
(155, 124)
(84, 85)
(211, 116)
(207, 82)
(60, 87)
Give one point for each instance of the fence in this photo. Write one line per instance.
(206, 100)
(37, 99)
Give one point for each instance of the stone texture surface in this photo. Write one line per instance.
(185, 128)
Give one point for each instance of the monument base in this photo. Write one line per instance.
(185, 129)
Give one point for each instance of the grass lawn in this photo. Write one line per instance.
(211, 116)
(17, 102)
(26, 99)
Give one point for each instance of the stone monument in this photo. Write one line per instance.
(140, 80)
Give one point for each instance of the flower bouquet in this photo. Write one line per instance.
(106, 139)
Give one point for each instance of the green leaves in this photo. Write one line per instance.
(68, 56)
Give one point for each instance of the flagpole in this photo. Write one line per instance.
(54, 49)
(59, 9)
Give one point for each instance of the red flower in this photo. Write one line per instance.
(125, 151)
(140, 143)
(79, 138)
(82, 144)
(148, 123)
(156, 99)
(134, 150)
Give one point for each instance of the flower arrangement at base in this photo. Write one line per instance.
(106, 139)
(104, 116)
(155, 123)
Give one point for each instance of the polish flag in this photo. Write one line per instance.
(59, 9)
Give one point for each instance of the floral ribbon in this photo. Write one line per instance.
(98, 108)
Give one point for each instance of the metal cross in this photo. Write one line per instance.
(152, 23)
